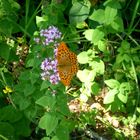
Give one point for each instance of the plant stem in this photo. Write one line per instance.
(4, 138)
(130, 30)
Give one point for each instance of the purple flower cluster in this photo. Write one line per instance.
(50, 35)
(50, 72)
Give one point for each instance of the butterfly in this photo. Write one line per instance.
(67, 63)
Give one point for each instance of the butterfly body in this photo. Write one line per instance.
(67, 63)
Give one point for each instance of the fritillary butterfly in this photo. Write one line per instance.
(67, 64)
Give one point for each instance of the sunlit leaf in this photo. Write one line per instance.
(98, 66)
(98, 15)
(94, 35)
(110, 96)
(86, 75)
(83, 57)
(112, 83)
(88, 34)
(102, 46)
(122, 97)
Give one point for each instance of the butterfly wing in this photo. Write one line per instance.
(65, 74)
(67, 64)
(62, 54)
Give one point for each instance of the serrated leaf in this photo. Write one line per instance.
(112, 83)
(48, 122)
(110, 96)
(83, 57)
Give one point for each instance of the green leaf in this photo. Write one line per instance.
(62, 132)
(14, 114)
(102, 46)
(29, 89)
(97, 36)
(39, 20)
(30, 62)
(24, 103)
(88, 34)
(34, 77)
(122, 97)
(126, 86)
(138, 109)
(98, 66)
(125, 47)
(62, 104)
(95, 88)
(83, 57)
(13, 56)
(113, 3)
(86, 75)
(46, 101)
(48, 122)
(22, 127)
(81, 25)
(98, 15)
(94, 35)
(31, 112)
(46, 138)
(4, 50)
(110, 14)
(7, 130)
(112, 83)
(117, 24)
(55, 138)
(110, 96)
(79, 12)
(5, 27)
(45, 84)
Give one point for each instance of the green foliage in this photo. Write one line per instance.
(106, 42)
(4, 51)
(79, 11)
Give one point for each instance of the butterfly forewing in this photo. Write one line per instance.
(67, 64)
